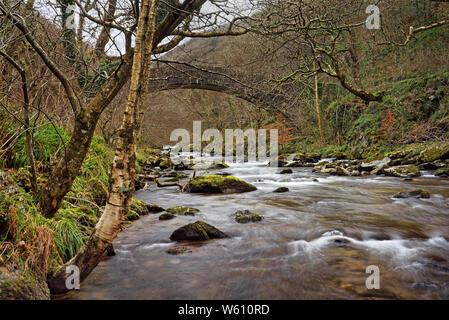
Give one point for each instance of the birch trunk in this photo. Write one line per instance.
(121, 182)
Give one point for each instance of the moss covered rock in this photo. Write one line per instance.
(419, 193)
(246, 216)
(281, 190)
(219, 184)
(166, 216)
(197, 231)
(442, 172)
(23, 285)
(132, 216)
(183, 211)
(406, 171)
(139, 207)
(434, 153)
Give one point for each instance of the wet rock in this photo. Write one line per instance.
(281, 190)
(154, 208)
(419, 194)
(132, 216)
(405, 171)
(337, 171)
(370, 166)
(442, 172)
(208, 166)
(140, 207)
(286, 171)
(246, 216)
(178, 250)
(183, 211)
(313, 157)
(316, 180)
(166, 216)
(432, 165)
(197, 231)
(434, 153)
(218, 184)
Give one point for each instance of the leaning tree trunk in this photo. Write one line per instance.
(121, 182)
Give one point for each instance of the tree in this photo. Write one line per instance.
(121, 186)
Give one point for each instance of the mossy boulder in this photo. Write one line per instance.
(442, 172)
(197, 231)
(183, 211)
(139, 207)
(246, 216)
(281, 190)
(166, 216)
(339, 171)
(208, 166)
(132, 216)
(98, 191)
(419, 193)
(218, 184)
(405, 171)
(434, 153)
(23, 285)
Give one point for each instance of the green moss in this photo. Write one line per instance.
(132, 216)
(98, 191)
(139, 207)
(23, 285)
(219, 184)
(183, 211)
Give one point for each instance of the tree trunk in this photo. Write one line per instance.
(121, 184)
(317, 106)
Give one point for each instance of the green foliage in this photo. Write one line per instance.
(49, 143)
(67, 236)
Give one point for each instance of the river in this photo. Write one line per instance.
(315, 242)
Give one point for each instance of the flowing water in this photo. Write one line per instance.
(315, 242)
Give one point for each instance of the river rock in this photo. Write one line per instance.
(246, 216)
(208, 166)
(218, 184)
(281, 190)
(154, 208)
(166, 216)
(442, 172)
(197, 231)
(434, 153)
(405, 171)
(183, 211)
(164, 183)
(420, 194)
(370, 166)
(286, 171)
(178, 250)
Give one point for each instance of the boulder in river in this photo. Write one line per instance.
(178, 250)
(154, 208)
(419, 194)
(183, 211)
(286, 171)
(405, 171)
(246, 216)
(281, 190)
(442, 172)
(376, 164)
(218, 184)
(197, 231)
(166, 216)
(208, 166)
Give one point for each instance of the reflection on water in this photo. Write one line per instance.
(314, 243)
